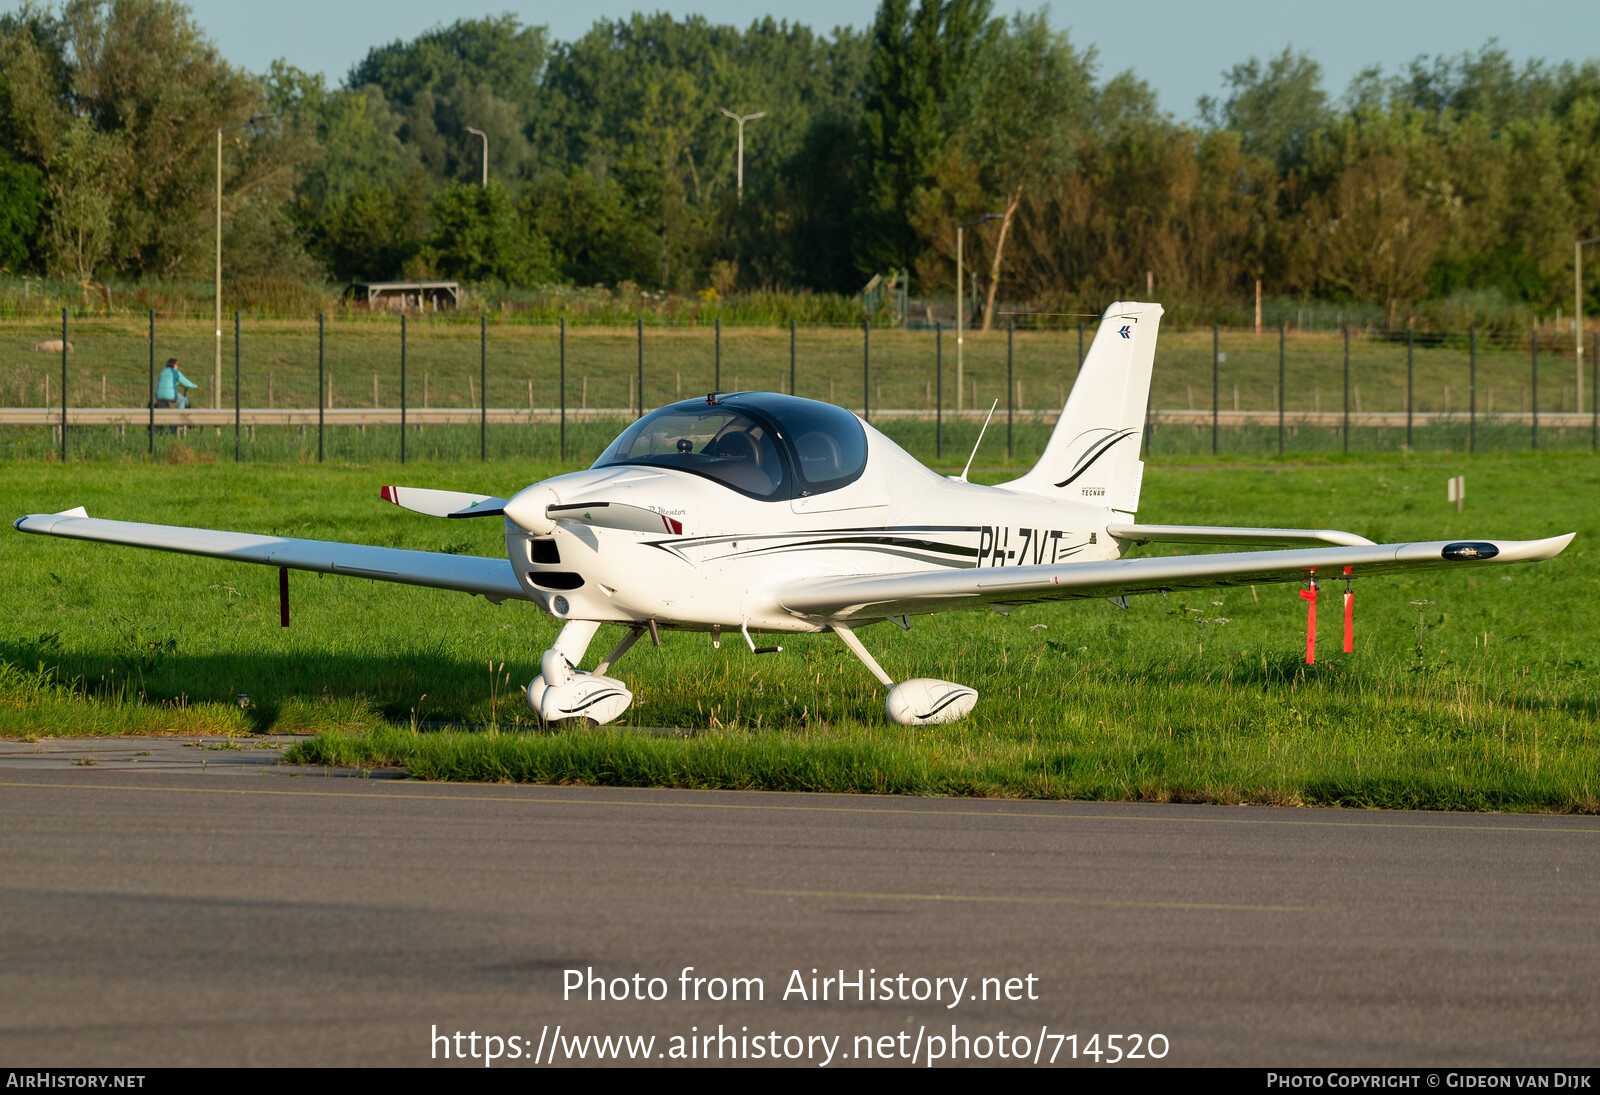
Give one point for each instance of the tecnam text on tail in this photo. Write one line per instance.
(757, 514)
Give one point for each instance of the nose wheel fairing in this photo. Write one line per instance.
(562, 693)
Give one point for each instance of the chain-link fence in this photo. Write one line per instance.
(445, 389)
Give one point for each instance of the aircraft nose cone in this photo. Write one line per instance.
(526, 510)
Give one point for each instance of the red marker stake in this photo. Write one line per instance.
(283, 595)
(1310, 596)
(1349, 615)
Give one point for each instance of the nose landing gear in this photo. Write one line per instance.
(563, 693)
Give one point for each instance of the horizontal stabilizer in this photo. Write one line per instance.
(492, 578)
(444, 503)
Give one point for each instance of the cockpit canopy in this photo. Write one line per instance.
(761, 444)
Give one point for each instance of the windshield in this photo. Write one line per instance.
(713, 440)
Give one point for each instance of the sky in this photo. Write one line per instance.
(1181, 48)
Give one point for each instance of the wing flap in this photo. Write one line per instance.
(875, 597)
(491, 578)
(1224, 534)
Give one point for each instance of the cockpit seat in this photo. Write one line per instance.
(736, 445)
(819, 455)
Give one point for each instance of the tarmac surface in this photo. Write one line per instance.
(158, 910)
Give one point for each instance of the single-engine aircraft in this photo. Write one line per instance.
(764, 513)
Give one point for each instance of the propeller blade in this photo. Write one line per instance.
(617, 515)
(444, 503)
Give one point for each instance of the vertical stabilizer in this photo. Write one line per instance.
(1093, 454)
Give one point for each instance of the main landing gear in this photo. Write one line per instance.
(564, 693)
(920, 701)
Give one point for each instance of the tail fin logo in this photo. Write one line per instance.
(1126, 332)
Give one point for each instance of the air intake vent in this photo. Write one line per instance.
(543, 551)
(555, 579)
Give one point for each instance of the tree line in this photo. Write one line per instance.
(1460, 182)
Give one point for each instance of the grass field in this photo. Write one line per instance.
(1476, 690)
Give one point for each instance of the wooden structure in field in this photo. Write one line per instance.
(406, 296)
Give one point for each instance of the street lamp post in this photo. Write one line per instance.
(960, 285)
(741, 119)
(1577, 319)
(485, 137)
(216, 385)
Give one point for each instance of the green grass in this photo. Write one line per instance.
(1485, 699)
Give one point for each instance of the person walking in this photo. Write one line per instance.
(170, 386)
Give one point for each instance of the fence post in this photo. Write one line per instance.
(1472, 391)
(1411, 345)
(717, 378)
(1283, 392)
(1347, 387)
(641, 368)
(1080, 352)
(791, 358)
(322, 379)
(1535, 402)
(1594, 396)
(1011, 384)
(938, 390)
(483, 389)
(1215, 385)
(63, 385)
(866, 369)
(152, 448)
(402, 387)
(564, 385)
(236, 400)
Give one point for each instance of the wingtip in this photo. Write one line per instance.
(388, 495)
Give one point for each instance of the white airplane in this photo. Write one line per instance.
(765, 513)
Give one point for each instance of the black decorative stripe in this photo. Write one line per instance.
(860, 530)
(950, 698)
(875, 541)
(592, 701)
(1097, 454)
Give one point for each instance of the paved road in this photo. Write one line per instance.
(241, 914)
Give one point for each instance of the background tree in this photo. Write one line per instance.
(1028, 94)
(1277, 108)
(478, 237)
(918, 64)
(483, 73)
(22, 197)
(118, 104)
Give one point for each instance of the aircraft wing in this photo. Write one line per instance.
(871, 597)
(491, 578)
